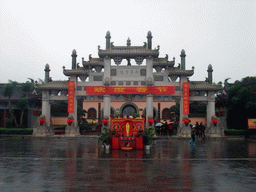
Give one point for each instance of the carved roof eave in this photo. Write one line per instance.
(162, 63)
(180, 72)
(54, 85)
(203, 86)
(78, 71)
(94, 62)
(128, 52)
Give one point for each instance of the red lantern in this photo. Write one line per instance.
(150, 121)
(69, 121)
(214, 122)
(105, 121)
(41, 121)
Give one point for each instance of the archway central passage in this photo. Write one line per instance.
(129, 110)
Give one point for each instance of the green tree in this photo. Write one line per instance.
(27, 88)
(80, 111)
(241, 103)
(197, 108)
(175, 112)
(59, 108)
(8, 92)
(22, 105)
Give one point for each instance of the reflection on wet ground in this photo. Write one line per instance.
(81, 164)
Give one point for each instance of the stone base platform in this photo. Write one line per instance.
(72, 131)
(42, 131)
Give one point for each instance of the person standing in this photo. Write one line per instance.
(202, 129)
(193, 137)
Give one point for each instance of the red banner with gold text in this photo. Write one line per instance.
(185, 98)
(71, 96)
(158, 90)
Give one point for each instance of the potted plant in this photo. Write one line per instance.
(104, 136)
(117, 115)
(148, 137)
(137, 115)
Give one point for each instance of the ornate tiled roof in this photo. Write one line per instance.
(54, 85)
(128, 52)
(78, 71)
(203, 86)
(93, 62)
(180, 72)
(162, 62)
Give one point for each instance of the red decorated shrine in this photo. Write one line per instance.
(128, 133)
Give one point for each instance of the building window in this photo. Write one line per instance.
(158, 78)
(143, 72)
(92, 113)
(113, 72)
(97, 78)
(143, 82)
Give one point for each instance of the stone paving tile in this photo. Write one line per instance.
(80, 164)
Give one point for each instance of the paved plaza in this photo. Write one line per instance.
(80, 164)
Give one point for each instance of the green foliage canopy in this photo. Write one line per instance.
(241, 103)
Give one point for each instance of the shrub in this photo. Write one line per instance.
(234, 132)
(16, 131)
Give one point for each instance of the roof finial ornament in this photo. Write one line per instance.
(149, 37)
(74, 55)
(182, 53)
(108, 37)
(128, 42)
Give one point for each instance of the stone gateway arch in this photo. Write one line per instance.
(129, 79)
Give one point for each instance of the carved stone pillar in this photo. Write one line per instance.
(149, 108)
(45, 129)
(46, 107)
(107, 103)
(212, 130)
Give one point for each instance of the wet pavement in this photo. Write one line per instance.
(80, 164)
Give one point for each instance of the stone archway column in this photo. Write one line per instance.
(107, 103)
(181, 113)
(73, 129)
(149, 108)
(210, 108)
(74, 78)
(45, 129)
(182, 80)
(46, 107)
(211, 130)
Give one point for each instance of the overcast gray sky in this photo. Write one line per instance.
(217, 32)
